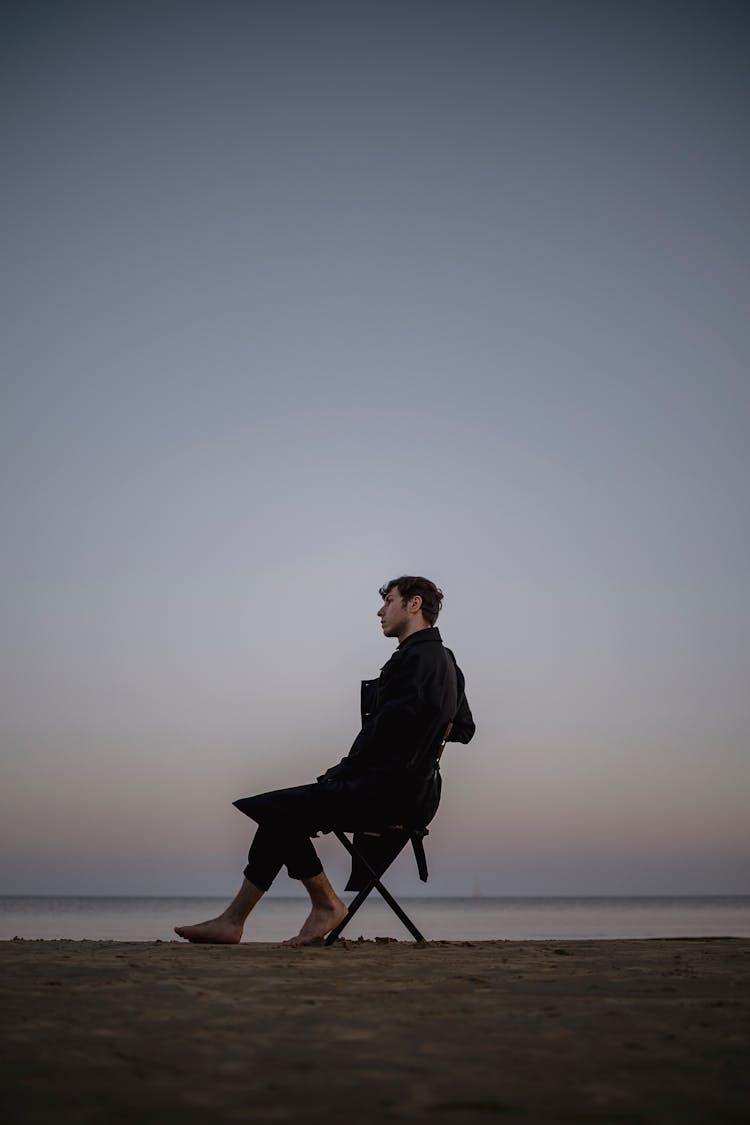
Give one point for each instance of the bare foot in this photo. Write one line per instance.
(218, 931)
(319, 922)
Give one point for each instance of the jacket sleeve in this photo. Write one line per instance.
(463, 725)
(464, 728)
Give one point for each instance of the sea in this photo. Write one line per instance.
(97, 918)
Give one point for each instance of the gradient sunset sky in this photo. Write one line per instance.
(302, 296)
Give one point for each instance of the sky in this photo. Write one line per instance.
(299, 297)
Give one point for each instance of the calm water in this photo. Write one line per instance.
(452, 919)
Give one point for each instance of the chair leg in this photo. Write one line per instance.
(362, 895)
(399, 912)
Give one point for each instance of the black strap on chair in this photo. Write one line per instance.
(417, 837)
(397, 836)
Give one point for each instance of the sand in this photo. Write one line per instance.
(589, 1031)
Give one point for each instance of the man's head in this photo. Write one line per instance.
(409, 603)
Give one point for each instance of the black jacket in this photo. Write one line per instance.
(404, 716)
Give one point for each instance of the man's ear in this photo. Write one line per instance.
(416, 602)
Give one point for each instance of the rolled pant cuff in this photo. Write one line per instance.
(263, 880)
(307, 874)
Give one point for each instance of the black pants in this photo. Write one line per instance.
(287, 818)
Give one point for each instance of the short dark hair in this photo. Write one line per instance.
(409, 585)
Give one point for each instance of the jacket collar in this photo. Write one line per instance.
(431, 634)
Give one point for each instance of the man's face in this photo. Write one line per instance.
(394, 614)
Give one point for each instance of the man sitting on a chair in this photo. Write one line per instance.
(390, 775)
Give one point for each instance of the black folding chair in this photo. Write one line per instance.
(392, 839)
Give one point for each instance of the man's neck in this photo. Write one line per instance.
(413, 627)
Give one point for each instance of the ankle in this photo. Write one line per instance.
(325, 901)
(233, 917)
(322, 895)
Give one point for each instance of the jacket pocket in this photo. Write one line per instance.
(368, 695)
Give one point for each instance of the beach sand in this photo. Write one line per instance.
(587, 1031)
